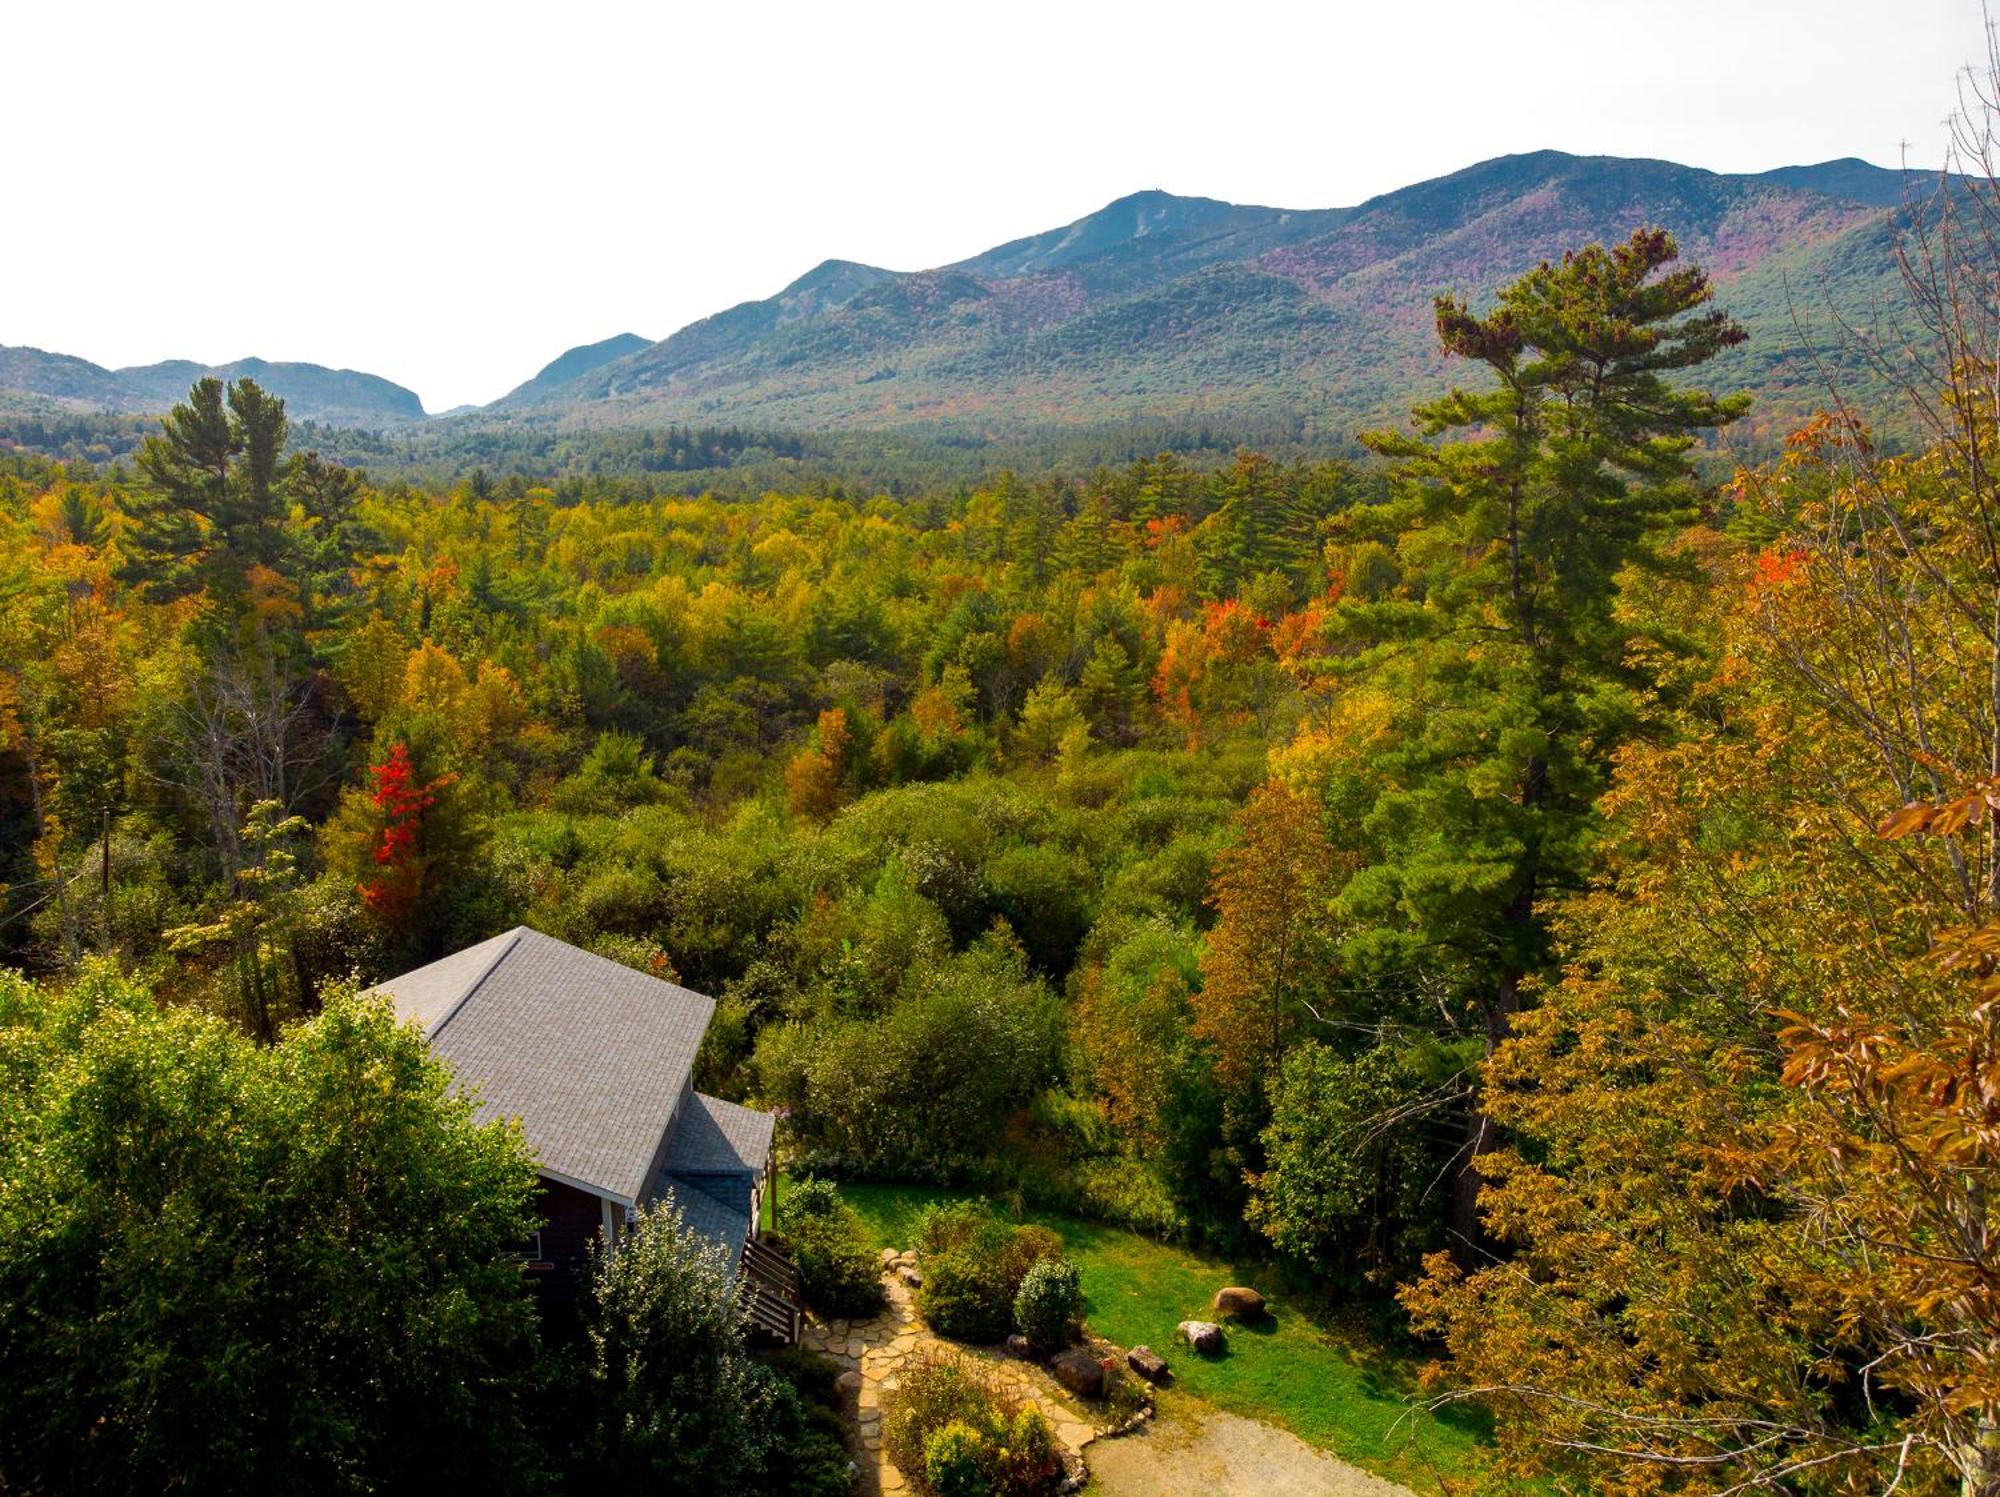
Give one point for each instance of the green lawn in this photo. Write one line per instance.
(1331, 1388)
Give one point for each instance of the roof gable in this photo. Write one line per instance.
(714, 1137)
(591, 1056)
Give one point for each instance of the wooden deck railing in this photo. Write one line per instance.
(769, 1285)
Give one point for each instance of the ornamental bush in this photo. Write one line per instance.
(1048, 1304)
(840, 1274)
(955, 1433)
(973, 1266)
(955, 1458)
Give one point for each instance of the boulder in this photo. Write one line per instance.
(1017, 1345)
(1205, 1336)
(889, 1256)
(848, 1384)
(910, 1276)
(1238, 1303)
(1148, 1363)
(1080, 1372)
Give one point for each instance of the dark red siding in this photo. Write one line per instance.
(572, 1220)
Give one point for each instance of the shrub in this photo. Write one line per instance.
(939, 1389)
(964, 1296)
(809, 1446)
(1029, 1459)
(1023, 1249)
(676, 1402)
(839, 1273)
(1048, 1303)
(813, 1373)
(954, 1433)
(974, 1264)
(955, 1461)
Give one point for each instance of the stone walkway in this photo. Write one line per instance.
(879, 1350)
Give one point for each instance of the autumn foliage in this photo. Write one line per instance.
(401, 800)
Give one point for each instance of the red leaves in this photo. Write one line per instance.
(1774, 569)
(402, 800)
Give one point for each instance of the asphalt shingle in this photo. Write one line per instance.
(591, 1056)
(718, 1137)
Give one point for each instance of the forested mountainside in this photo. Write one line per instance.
(53, 385)
(1164, 306)
(568, 367)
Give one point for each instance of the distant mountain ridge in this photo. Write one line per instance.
(311, 392)
(568, 367)
(1159, 305)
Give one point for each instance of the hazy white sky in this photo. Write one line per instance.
(452, 194)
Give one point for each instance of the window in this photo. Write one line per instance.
(528, 1252)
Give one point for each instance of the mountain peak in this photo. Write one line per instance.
(1855, 180)
(836, 278)
(1149, 226)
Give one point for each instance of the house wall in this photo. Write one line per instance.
(572, 1220)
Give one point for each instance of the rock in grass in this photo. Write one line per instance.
(1080, 1372)
(1017, 1345)
(1238, 1303)
(1205, 1336)
(1148, 1363)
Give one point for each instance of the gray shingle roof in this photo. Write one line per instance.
(590, 1055)
(708, 1214)
(715, 1137)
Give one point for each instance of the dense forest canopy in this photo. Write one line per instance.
(1542, 895)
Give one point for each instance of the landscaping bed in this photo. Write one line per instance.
(1334, 1389)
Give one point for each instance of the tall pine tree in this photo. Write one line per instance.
(1513, 511)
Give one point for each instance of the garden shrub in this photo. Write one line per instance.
(839, 1273)
(1029, 1459)
(955, 1461)
(964, 1297)
(1048, 1304)
(973, 1266)
(953, 1432)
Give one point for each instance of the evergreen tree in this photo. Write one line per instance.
(1500, 651)
(216, 499)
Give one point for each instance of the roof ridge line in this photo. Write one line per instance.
(513, 940)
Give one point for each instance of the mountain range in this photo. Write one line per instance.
(1160, 306)
(312, 392)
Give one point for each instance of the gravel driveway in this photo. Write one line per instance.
(1190, 1449)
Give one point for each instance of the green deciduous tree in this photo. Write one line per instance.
(233, 1269)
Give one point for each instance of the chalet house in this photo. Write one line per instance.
(596, 1060)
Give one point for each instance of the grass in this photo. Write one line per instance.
(1333, 1388)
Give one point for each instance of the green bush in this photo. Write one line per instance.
(965, 1297)
(955, 1461)
(952, 1431)
(810, 1452)
(973, 1266)
(813, 1373)
(839, 1273)
(1048, 1304)
(1028, 1460)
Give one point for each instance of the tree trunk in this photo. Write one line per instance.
(1469, 1243)
(1470, 1246)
